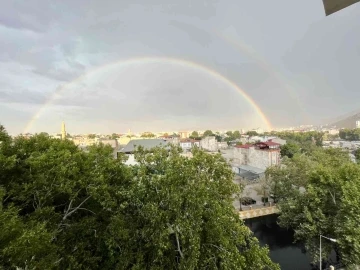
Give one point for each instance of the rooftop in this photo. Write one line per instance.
(146, 143)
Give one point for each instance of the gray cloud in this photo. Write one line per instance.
(21, 96)
(45, 45)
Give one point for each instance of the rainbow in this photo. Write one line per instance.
(249, 51)
(150, 60)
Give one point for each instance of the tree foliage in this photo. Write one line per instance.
(350, 134)
(208, 133)
(302, 138)
(147, 135)
(195, 134)
(114, 136)
(318, 194)
(62, 208)
(236, 134)
(357, 155)
(252, 133)
(289, 149)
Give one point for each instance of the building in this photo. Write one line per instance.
(147, 144)
(259, 155)
(187, 144)
(63, 131)
(209, 143)
(112, 142)
(246, 172)
(183, 134)
(278, 140)
(222, 145)
(357, 124)
(83, 141)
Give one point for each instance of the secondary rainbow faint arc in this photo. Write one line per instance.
(149, 60)
(249, 51)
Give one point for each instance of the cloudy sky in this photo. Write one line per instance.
(74, 61)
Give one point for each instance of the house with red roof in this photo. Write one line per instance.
(187, 144)
(260, 155)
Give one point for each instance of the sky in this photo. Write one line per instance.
(74, 61)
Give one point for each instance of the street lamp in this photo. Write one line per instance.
(328, 238)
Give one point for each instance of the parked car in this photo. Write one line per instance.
(247, 201)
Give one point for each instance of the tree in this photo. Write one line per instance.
(62, 208)
(263, 189)
(252, 133)
(44, 133)
(192, 210)
(91, 136)
(208, 133)
(195, 135)
(237, 134)
(316, 194)
(357, 155)
(302, 138)
(350, 134)
(114, 136)
(147, 135)
(289, 149)
(218, 138)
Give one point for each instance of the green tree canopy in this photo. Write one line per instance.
(317, 194)
(302, 138)
(289, 149)
(194, 135)
(92, 136)
(357, 155)
(252, 133)
(350, 134)
(208, 133)
(147, 135)
(237, 134)
(62, 208)
(115, 136)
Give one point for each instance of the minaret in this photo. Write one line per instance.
(63, 131)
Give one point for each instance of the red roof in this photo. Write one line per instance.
(270, 143)
(244, 146)
(189, 140)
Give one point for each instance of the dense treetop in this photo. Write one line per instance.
(318, 193)
(350, 134)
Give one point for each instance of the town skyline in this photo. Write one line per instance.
(69, 130)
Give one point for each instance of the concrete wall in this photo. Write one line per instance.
(222, 145)
(185, 145)
(123, 140)
(256, 158)
(209, 143)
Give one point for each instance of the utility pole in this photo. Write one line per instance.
(328, 238)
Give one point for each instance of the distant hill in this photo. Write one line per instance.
(347, 121)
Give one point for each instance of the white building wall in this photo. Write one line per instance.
(185, 145)
(357, 123)
(209, 143)
(257, 158)
(222, 145)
